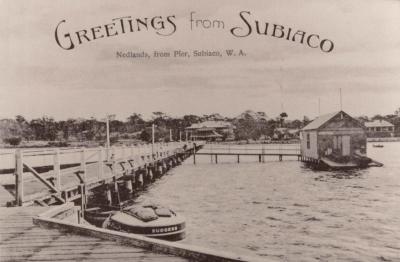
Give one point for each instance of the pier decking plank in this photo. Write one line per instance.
(21, 240)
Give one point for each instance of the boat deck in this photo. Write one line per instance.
(21, 240)
(333, 164)
(336, 165)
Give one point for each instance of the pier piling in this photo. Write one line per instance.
(57, 169)
(19, 170)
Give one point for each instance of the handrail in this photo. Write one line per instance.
(50, 161)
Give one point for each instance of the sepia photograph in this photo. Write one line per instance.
(184, 130)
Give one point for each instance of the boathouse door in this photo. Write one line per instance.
(345, 145)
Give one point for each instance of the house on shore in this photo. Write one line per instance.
(211, 131)
(335, 140)
(379, 128)
(286, 133)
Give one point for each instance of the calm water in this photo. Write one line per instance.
(286, 212)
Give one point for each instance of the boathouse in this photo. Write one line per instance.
(335, 137)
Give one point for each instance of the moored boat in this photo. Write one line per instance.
(377, 145)
(148, 220)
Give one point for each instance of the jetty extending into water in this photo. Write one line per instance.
(261, 151)
(57, 176)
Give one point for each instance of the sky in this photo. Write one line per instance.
(38, 78)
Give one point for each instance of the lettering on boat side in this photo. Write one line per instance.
(164, 230)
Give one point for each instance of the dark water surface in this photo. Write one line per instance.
(287, 212)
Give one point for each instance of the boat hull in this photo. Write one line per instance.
(166, 228)
(163, 228)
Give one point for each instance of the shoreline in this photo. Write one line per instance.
(383, 139)
(277, 142)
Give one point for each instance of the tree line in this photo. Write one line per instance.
(248, 125)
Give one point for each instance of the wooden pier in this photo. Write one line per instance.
(56, 176)
(236, 151)
(21, 240)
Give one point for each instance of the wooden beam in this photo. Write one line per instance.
(38, 176)
(78, 174)
(59, 198)
(41, 203)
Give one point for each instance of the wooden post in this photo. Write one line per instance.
(100, 159)
(152, 139)
(150, 174)
(108, 137)
(263, 153)
(140, 182)
(216, 159)
(79, 216)
(83, 198)
(238, 158)
(83, 164)
(131, 153)
(19, 182)
(194, 155)
(123, 152)
(113, 153)
(280, 157)
(128, 185)
(160, 169)
(56, 168)
(259, 158)
(108, 194)
(65, 194)
(133, 180)
(116, 190)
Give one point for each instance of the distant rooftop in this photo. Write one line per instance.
(211, 124)
(252, 114)
(378, 123)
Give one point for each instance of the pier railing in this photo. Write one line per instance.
(251, 148)
(260, 150)
(57, 169)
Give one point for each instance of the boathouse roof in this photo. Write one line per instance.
(322, 121)
(319, 121)
(378, 123)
